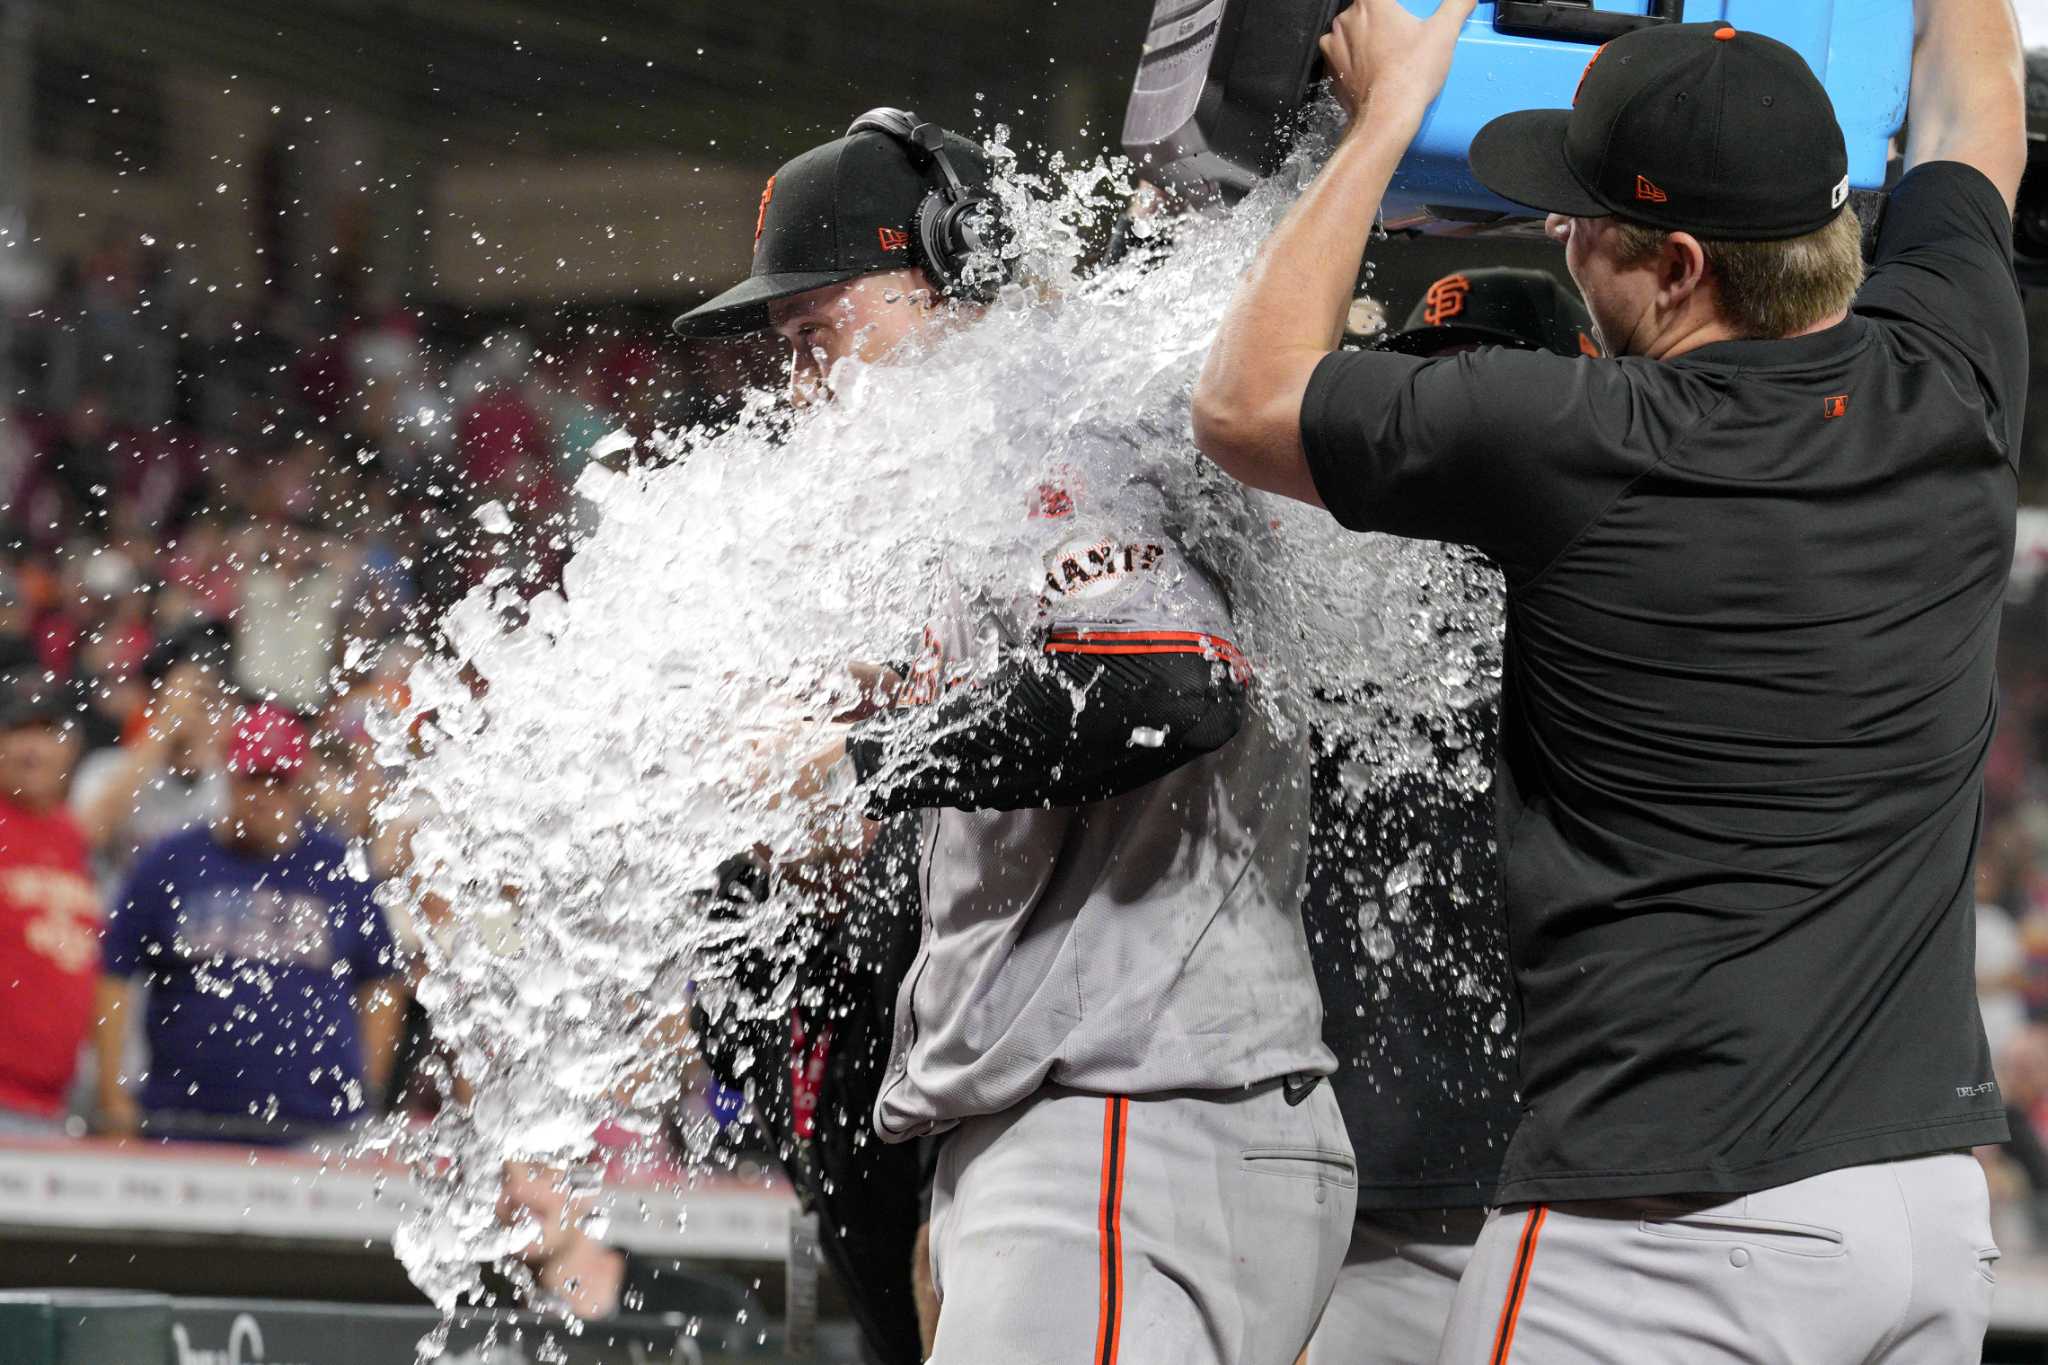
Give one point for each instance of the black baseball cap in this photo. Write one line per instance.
(1699, 128)
(1497, 306)
(28, 698)
(845, 209)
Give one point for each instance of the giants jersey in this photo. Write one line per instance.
(1148, 942)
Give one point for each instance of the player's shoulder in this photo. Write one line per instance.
(1947, 203)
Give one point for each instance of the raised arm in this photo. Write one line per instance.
(380, 1027)
(119, 1113)
(1969, 90)
(1288, 313)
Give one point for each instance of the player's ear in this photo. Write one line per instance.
(1681, 267)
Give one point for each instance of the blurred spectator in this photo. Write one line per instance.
(200, 577)
(167, 777)
(501, 439)
(288, 628)
(107, 348)
(264, 962)
(79, 479)
(17, 624)
(107, 662)
(2001, 964)
(49, 913)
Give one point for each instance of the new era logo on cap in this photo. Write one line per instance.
(1649, 193)
(892, 239)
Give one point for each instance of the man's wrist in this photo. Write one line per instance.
(1387, 118)
(841, 780)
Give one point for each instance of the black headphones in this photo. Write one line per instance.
(945, 228)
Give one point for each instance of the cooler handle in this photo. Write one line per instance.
(1576, 21)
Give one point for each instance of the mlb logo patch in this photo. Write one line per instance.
(1836, 406)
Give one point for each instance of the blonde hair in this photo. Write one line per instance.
(1770, 289)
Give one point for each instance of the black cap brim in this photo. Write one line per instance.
(1520, 157)
(744, 307)
(24, 715)
(1423, 341)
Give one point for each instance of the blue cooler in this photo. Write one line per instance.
(1220, 82)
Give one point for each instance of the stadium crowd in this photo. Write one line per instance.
(223, 535)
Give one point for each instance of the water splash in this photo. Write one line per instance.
(577, 766)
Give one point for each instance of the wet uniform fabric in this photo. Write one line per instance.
(1148, 942)
(1113, 1016)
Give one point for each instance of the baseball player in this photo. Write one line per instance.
(1754, 570)
(1112, 1014)
(1403, 914)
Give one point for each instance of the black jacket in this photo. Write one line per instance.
(866, 1193)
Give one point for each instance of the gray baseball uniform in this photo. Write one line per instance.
(1192, 1229)
(1114, 1007)
(1890, 1263)
(1145, 943)
(1396, 1288)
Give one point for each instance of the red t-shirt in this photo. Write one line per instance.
(49, 956)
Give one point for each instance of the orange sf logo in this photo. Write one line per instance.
(761, 218)
(1445, 300)
(1580, 87)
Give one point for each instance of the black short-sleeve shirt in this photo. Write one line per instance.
(1753, 599)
